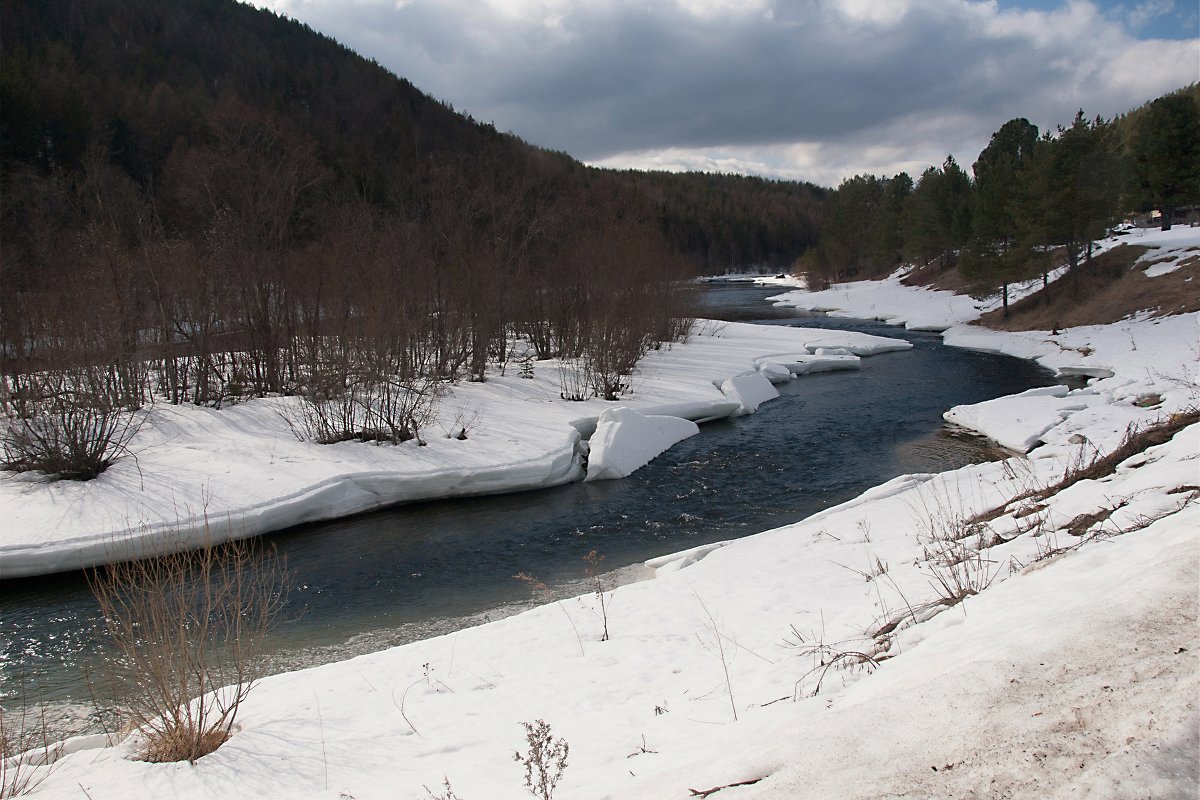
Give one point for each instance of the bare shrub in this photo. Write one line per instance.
(447, 792)
(545, 762)
(187, 631)
(68, 424)
(718, 647)
(466, 421)
(955, 547)
(545, 594)
(372, 411)
(612, 349)
(956, 558)
(574, 379)
(363, 393)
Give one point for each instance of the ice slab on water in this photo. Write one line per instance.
(774, 372)
(1019, 421)
(750, 391)
(626, 441)
(868, 345)
(807, 363)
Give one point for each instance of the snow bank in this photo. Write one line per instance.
(1086, 658)
(889, 301)
(673, 562)
(1025, 701)
(1019, 421)
(1129, 362)
(1169, 250)
(626, 441)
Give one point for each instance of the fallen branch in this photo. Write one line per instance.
(715, 789)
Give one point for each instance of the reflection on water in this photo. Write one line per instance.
(416, 571)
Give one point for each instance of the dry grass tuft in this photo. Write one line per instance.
(832, 655)
(1080, 524)
(1136, 440)
(24, 746)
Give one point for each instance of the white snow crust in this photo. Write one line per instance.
(749, 391)
(1018, 421)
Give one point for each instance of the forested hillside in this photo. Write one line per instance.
(1032, 200)
(143, 87)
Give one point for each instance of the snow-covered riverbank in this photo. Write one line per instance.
(243, 469)
(1070, 667)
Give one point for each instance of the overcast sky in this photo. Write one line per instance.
(808, 89)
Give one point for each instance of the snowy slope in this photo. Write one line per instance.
(1078, 669)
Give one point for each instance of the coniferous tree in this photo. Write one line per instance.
(994, 259)
(1034, 211)
(1166, 155)
(887, 225)
(1081, 182)
(938, 217)
(863, 234)
(845, 241)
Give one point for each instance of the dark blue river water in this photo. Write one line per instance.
(415, 571)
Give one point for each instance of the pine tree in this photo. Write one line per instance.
(1166, 155)
(938, 216)
(993, 258)
(1081, 179)
(887, 224)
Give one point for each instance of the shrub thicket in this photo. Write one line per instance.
(187, 631)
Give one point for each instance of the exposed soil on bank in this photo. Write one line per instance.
(1110, 287)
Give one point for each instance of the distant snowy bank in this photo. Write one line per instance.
(1127, 363)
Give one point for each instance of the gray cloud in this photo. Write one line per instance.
(806, 89)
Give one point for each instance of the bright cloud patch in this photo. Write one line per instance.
(814, 90)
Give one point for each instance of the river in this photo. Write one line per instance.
(416, 571)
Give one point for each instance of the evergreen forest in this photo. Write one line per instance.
(1032, 200)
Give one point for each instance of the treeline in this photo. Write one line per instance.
(1031, 201)
(204, 203)
(733, 223)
